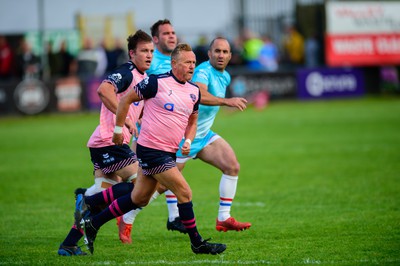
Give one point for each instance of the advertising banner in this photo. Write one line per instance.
(31, 96)
(68, 92)
(362, 33)
(276, 85)
(329, 83)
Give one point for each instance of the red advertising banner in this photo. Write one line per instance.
(363, 49)
(362, 33)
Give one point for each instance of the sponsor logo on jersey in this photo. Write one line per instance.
(171, 107)
(107, 158)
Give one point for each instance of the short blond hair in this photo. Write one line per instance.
(180, 48)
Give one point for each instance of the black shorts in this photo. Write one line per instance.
(112, 158)
(154, 161)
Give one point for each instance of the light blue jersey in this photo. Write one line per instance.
(217, 82)
(160, 64)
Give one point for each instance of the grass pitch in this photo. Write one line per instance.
(320, 181)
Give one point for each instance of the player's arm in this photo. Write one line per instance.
(191, 128)
(209, 99)
(145, 89)
(122, 111)
(108, 96)
(190, 133)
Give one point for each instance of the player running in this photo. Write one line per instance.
(170, 113)
(213, 79)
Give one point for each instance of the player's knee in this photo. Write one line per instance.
(141, 201)
(161, 189)
(232, 169)
(180, 166)
(185, 195)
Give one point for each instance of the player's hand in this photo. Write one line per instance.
(118, 139)
(131, 127)
(186, 147)
(238, 102)
(129, 124)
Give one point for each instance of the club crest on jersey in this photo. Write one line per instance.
(117, 77)
(144, 82)
(193, 97)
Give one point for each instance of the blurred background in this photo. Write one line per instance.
(54, 54)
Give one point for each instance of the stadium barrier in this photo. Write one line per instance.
(71, 94)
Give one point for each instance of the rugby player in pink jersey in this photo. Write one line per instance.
(111, 161)
(165, 40)
(170, 113)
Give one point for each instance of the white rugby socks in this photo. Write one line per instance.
(100, 184)
(227, 191)
(172, 203)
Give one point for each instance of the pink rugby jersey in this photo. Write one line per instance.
(168, 103)
(124, 78)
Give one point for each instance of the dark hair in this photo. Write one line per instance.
(154, 29)
(134, 39)
(179, 48)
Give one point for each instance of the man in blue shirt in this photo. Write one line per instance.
(213, 79)
(165, 40)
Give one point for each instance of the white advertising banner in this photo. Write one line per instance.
(362, 33)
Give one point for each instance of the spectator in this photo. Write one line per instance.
(27, 63)
(312, 51)
(293, 47)
(251, 49)
(268, 57)
(101, 59)
(87, 60)
(6, 59)
(116, 56)
(237, 51)
(61, 61)
(201, 50)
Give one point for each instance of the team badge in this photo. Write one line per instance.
(117, 77)
(143, 83)
(193, 97)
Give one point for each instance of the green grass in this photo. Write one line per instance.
(320, 181)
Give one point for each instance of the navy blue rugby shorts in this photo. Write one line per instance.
(154, 161)
(112, 158)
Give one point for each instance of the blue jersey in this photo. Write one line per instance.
(217, 82)
(160, 64)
